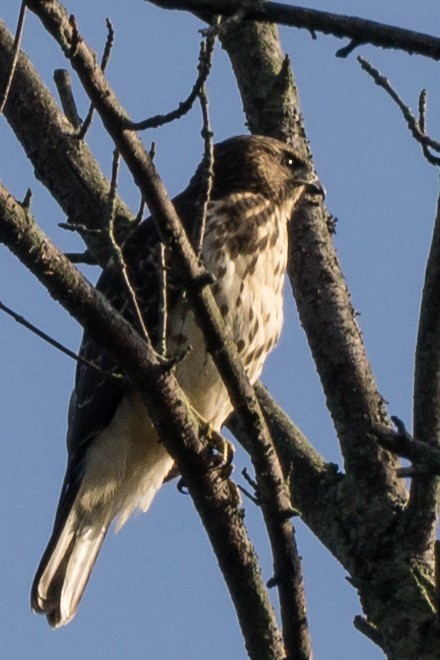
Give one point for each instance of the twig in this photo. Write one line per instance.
(417, 129)
(348, 49)
(140, 213)
(163, 305)
(56, 344)
(64, 87)
(249, 479)
(249, 495)
(82, 258)
(117, 252)
(204, 68)
(26, 203)
(366, 628)
(207, 173)
(219, 27)
(422, 110)
(286, 560)
(81, 229)
(15, 53)
(424, 456)
(104, 61)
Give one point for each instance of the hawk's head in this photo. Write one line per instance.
(261, 165)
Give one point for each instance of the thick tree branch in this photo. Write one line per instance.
(214, 499)
(322, 297)
(359, 30)
(366, 504)
(61, 162)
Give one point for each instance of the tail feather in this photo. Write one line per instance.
(65, 568)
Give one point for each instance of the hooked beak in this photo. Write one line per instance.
(313, 186)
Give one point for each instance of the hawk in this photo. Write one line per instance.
(116, 461)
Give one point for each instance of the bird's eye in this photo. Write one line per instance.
(292, 162)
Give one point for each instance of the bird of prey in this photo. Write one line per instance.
(116, 461)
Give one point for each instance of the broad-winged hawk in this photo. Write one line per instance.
(115, 460)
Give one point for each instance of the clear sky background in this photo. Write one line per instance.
(156, 591)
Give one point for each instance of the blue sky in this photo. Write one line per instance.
(156, 591)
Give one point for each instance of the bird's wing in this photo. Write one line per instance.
(96, 397)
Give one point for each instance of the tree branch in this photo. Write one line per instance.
(358, 30)
(64, 86)
(423, 508)
(272, 107)
(61, 162)
(417, 127)
(204, 69)
(365, 506)
(56, 344)
(214, 499)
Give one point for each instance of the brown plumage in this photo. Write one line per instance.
(116, 463)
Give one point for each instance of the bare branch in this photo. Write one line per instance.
(163, 305)
(423, 508)
(208, 171)
(422, 110)
(416, 127)
(82, 258)
(104, 61)
(64, 87)
(369, 630)
(117, 252)
(359, 30)
(62, 163)
(56, 344)
(15, 53)
(204, 69)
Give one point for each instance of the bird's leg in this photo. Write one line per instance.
(221, 460)
(225, 451)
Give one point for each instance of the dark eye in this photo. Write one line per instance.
(292, 162)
